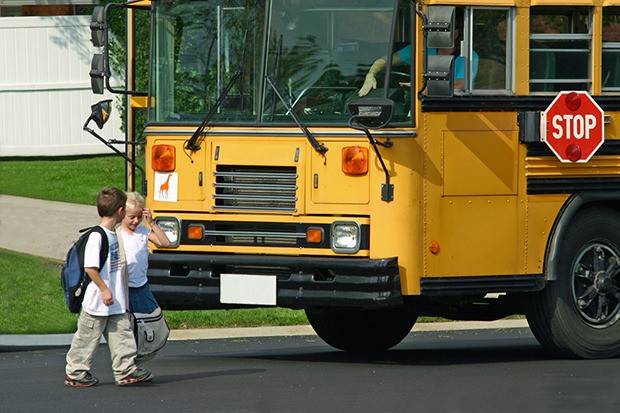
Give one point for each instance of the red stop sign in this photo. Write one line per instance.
(572, 126)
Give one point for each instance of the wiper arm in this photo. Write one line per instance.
(192, 144)
(319, 147)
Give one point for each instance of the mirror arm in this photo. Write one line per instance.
(109, 145)
(387, 189)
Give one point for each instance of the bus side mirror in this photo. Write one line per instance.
(98, 27)
(439, 27)
(439, 75)
(372, 113)
(100, 112)
(97, 74)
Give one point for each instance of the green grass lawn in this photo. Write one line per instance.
(75, 180)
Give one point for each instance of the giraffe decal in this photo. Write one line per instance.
(166, 186)
(163, 188)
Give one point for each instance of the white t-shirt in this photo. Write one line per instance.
(111, 274)
(137, 254)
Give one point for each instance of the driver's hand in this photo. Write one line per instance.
(369, 83)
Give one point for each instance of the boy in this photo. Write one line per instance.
(104, 307)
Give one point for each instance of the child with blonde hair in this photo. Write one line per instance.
(135, 241)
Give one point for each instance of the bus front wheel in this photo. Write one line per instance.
(362, 330)
(578, 314)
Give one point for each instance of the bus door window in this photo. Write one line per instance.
(492, 40)
(560, 44)
(611, 49)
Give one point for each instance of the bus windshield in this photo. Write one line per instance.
(317, 53)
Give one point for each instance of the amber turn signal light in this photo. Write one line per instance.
(163, 158)
(314, 235)
(194, 231)
(354, 160)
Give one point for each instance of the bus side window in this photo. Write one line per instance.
(611, 49)
(560, 44)
(491, 41)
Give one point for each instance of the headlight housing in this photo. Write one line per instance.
(346, 237)
(172, 228)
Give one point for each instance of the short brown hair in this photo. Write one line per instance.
(109, 200)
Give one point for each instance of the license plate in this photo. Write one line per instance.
(248, 289)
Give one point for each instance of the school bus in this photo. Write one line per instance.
(434, 192)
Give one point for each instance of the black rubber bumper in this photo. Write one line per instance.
(188, 281)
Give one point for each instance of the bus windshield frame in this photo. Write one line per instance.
(319, 55)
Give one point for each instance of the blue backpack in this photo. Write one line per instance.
(73, 277)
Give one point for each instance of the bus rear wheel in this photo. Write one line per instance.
(362, 330)
(578, 314)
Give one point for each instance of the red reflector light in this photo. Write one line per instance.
(163, 158)
(573, 152)
(354, 160)
(573, 101)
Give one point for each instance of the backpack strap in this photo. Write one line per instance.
(105, 245)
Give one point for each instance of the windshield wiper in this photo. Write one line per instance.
(193, 144)
(319, 147)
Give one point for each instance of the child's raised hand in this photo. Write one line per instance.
(146, 213)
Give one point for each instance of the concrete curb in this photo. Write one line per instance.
(61, 340)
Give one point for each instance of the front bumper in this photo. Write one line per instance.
(192, 281)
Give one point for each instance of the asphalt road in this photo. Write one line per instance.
(449, 371)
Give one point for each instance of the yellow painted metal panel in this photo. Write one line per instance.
(566, 2)
(541, 211)
(479, 163)
(332, 186)
(550, 166)
(139, 102)
(476, 235)
(236, 150)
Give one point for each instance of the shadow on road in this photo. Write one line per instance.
(423, 349)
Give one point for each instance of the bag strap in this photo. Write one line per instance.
(124, 270)
(105, 247)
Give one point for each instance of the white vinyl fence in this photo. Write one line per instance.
(45, 94)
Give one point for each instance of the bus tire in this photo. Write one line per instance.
(577, 315)
(362, 330)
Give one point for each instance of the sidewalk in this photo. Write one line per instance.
(48, 229)
(43, 228)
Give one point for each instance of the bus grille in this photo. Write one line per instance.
(255, 188)
(255, 234)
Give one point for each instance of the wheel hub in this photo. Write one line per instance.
(603, 283)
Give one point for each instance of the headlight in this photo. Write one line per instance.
(171, 228)
(345, 236)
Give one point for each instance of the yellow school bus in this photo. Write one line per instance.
(371, 162)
